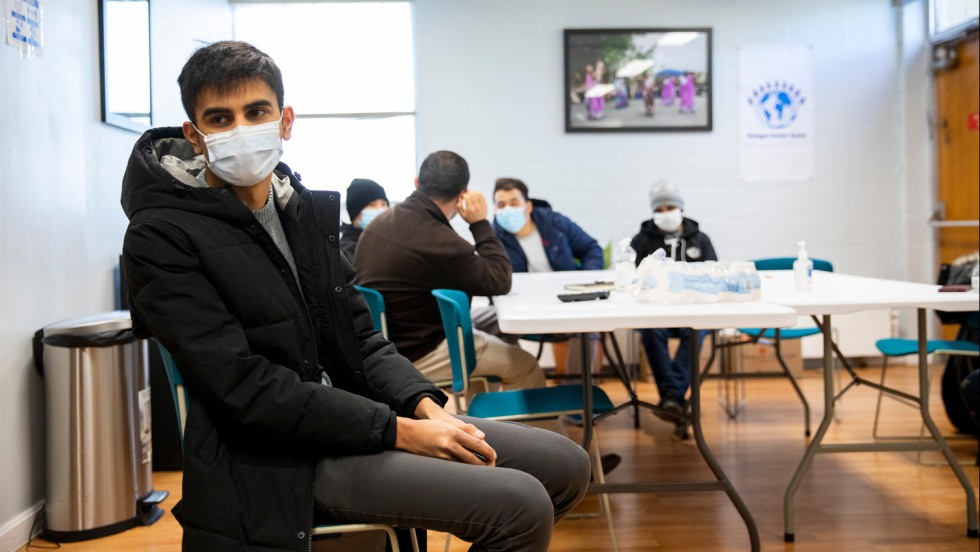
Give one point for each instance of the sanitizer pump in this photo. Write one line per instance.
(803, 269)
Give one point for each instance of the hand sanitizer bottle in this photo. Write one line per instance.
(803, 269)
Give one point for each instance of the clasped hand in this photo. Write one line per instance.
(439, 434)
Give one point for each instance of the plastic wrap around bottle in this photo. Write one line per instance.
(661, 280)
(624, 261)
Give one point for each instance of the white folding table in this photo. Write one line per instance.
(835, 293)
(532, 307)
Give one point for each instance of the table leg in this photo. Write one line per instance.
(706, 453)
(814, 446)
(587, 420)
(634, 402)
(971, 499)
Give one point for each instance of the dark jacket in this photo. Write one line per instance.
(349, 234)
(563, 241)
(693, 245)
(210, 284)
(411, 251)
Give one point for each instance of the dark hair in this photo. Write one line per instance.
(223, 66)
(443, 175)
(507, 184)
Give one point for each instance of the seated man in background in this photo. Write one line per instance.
(413, 250)
(537, 238)
(299, 411)
(683, 240)
(366, 199)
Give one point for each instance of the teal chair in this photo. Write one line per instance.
(776, 335)
(520, 405)
(180, 396)
(376, 304)
(895, 348)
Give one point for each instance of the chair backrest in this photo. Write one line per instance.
(177, 389)
(454, 307)
(786, 263)
(376, 303)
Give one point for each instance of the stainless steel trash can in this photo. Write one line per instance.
(99, 450)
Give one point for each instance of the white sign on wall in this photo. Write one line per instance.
(24, 26)
(775, 113)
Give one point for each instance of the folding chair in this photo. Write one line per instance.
(518, 404)
(895, 348)
(774, 336)
(376, 304)
(180, 396)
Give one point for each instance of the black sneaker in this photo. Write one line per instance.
(609, 463)
(672, 410)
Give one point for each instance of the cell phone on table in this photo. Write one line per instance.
(955, 287)
(591, 286)
(586, 296)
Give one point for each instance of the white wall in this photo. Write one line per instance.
(490, 87)
(61, 225)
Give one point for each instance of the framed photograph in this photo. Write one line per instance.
(637, 80)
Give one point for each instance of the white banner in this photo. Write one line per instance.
(775, 113)
(24, 26)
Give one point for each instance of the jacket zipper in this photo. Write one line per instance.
(316, 353)
(309, 532)
(319, 244)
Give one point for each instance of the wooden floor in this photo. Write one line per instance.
(854, 501)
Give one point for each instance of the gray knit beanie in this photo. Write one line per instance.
(663, 192)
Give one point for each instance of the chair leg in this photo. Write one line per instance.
(449, 540)
(393, 539)
(881, 382)
(600, 477)
(881, 394)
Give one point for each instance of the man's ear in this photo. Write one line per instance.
(288, 116)
(416, 183)
(528, 207)
(193, 137)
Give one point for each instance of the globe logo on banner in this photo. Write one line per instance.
(777, 104)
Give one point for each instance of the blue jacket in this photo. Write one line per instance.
(563, 240)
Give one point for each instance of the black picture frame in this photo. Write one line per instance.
(639, 86)
(124, 49)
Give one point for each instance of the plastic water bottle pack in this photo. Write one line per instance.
(660, 280)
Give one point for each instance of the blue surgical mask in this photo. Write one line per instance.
(367, 215)
(511, 219)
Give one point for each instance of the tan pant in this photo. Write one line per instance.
(516, 368)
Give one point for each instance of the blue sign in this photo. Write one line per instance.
(777, 104)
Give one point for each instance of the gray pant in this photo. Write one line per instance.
(539, 477)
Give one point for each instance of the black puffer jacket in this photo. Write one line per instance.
(693, 245)
(209, 282)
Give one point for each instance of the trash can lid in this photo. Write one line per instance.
(92, 324)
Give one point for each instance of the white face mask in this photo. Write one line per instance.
(668, 221)
(244, 155)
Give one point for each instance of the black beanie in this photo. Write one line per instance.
(361, 192)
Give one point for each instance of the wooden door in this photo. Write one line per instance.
(958, 138)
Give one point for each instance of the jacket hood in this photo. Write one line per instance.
(162, 173)
(689, 227)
